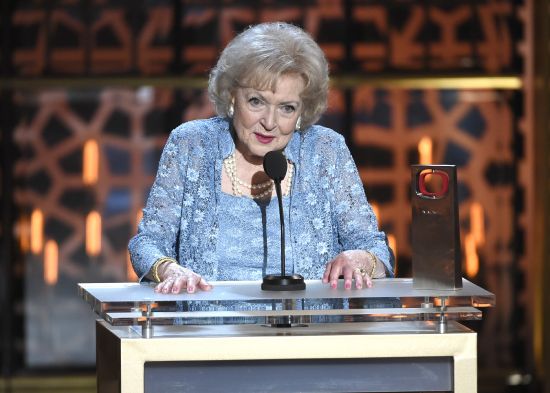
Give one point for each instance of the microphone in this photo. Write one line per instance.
(275, 166)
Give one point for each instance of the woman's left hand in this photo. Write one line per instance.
(352, 264)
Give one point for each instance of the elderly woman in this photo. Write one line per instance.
(211, 213)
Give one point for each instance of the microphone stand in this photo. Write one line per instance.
(282, 219)
(283, 282)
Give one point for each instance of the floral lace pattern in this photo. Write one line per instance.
(327, 208)
(249, 244)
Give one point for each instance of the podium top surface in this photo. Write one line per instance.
(244, 302)
(250, 291)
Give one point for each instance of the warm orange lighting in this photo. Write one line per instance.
(392, 242)
(375, 210)
(477, 223)
(425, 151)
(37, 231)
(130, 274)
(93, 233)
(139, 216)
(51, 262)
(90, 162)
(472, 259)
(24, 235)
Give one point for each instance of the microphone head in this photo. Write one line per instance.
(275, 165)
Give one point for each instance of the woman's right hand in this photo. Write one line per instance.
(176, 278)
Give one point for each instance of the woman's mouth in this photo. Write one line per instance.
(264, 138)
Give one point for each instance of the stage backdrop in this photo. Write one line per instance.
(87, 145)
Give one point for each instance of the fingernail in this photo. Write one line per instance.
(191, 289)
(359, 286)
(348, 285)
(333, 285)
(174, 290)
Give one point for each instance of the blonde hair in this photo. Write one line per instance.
(260, 55)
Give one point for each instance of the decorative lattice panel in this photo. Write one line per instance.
(130, 127)
(471, 129)
(169, 37)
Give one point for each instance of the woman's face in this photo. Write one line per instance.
(264, 120)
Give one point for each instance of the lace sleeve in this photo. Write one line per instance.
(158, 230)
(356, 222)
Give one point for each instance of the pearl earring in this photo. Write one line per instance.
(299, 123)
(231, 109)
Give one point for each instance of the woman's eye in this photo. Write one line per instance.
(288, 109)
(255, 101)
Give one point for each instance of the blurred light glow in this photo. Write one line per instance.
(472, 259)
(93, 233)
(516, 379)
(145, 94)
(37, 231)
(425, 151)
(376, 211)
(477, 223)
(392, 242)
(23, 231)
(90, 162)
(51, 262)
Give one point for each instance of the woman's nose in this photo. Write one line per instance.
(269, 121)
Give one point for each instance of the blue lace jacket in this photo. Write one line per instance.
(328, 212)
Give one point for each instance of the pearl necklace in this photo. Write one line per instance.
(236, 183)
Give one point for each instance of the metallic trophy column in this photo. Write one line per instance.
(436, 260)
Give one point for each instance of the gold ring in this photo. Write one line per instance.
(361, 271)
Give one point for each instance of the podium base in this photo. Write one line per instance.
(283, 283)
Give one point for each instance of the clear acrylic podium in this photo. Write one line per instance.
(388, 338)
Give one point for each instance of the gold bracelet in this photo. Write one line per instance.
(373, 269)
(157, 264)
(373, 259)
